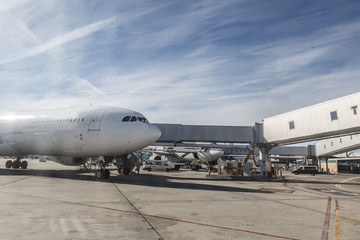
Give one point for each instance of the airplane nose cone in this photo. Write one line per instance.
(216, 153)
(153, 133)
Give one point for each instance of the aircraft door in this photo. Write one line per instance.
(95, 121)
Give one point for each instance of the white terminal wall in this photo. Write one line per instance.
(315, 121)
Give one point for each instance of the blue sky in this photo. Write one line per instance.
(190, 62)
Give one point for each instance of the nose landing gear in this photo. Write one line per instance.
(102, 174)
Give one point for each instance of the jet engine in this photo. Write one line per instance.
(70, 161)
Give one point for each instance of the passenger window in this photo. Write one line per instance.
(333, 116)
(292, 125)
(126, 119)
(158, 163)
(133, 119)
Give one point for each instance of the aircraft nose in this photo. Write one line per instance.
(217, 153)
(153, 133)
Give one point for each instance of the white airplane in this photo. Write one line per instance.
(209, 155)
(189, 154)
(71, 136)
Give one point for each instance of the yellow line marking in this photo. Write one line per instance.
(337, 230)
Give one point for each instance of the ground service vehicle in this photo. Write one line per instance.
(306, 169)
(158, 165)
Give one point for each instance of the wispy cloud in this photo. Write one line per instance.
(7, 5)
(63, 39)
(203, 62)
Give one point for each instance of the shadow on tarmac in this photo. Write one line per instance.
(147, 179)
(143, 179)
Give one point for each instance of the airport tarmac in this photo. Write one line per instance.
(51, 201)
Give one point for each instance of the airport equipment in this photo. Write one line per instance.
(240, 168)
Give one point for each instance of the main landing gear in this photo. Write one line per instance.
(16, 164)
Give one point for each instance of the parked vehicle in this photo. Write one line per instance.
(158, 165)
(306, 170)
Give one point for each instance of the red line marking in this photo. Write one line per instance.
(325, 231)
(154, 216)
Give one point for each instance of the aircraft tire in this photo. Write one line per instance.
(16, 164)
(99, 174)
(24, 164)
(149, 169)
(126, 171)
(8, 164)
(167, 170)
(106, 173)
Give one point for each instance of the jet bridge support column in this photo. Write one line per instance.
(265, 164)
(264, 149)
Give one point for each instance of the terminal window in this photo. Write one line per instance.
(292, 125)
(333, 116)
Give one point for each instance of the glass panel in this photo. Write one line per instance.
(333, 116)
(126, 119)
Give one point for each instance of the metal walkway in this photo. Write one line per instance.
(174, 133)
(333, 146)
(328, 119)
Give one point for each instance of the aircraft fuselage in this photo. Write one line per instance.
(75, 132)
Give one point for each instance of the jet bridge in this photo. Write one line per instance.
(177, 133)
(333, 146)
(188, 135)
(328, 119)
(333, 118)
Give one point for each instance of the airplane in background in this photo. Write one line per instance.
(73, 135)
(188, 154)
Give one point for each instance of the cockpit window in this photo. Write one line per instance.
(141, 119)
(134, 119)
(126, 119)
